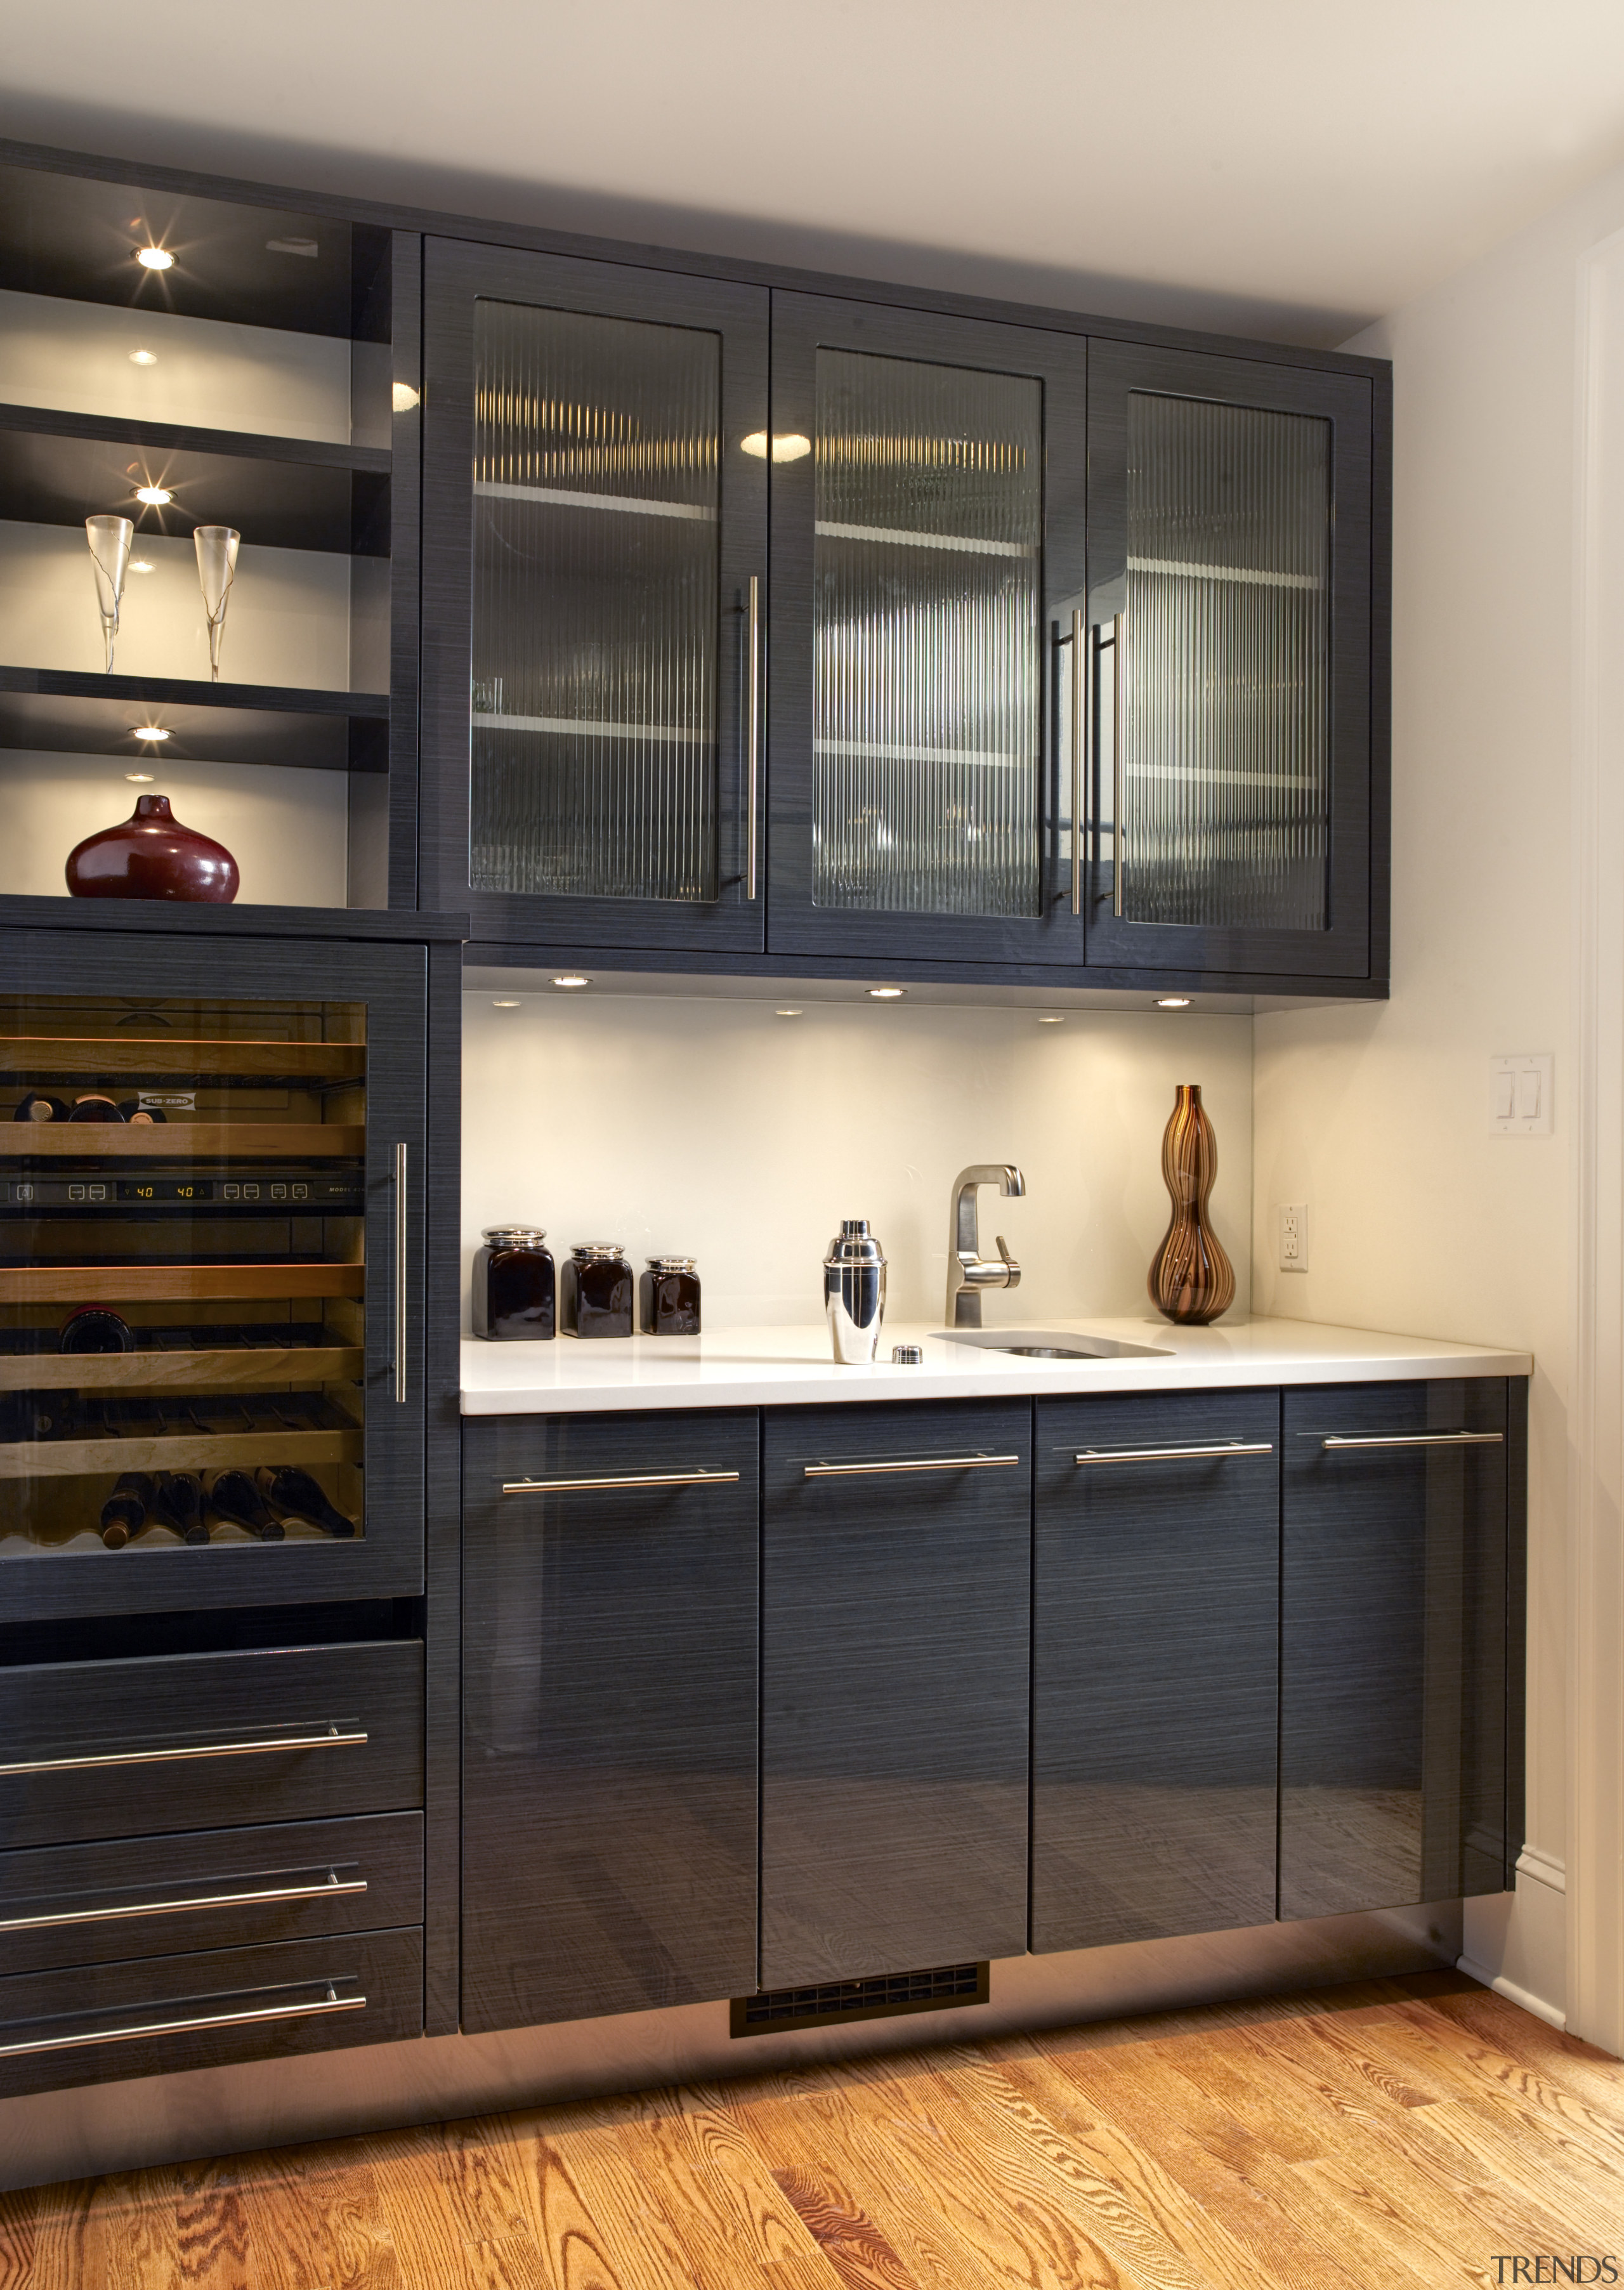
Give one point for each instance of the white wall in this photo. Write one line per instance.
(1377, 1116)
(721, 1131)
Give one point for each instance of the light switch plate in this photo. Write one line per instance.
(1294, 1227)
(1520, 1086)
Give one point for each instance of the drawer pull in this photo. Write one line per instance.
(633, 1479)
(328, 1889)
(331, 1739)
(332, 2002)
(1172, 1455)
(1418, 1439)
(927, 1463)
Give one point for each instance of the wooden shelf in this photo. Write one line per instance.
(179, 1141)
(152, 1282)
(46, 1057)
(178, 1451)
(241, 1368)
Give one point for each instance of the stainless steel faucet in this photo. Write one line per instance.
(967, 1273)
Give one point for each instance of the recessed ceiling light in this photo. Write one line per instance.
(505, 1002)
(150, 732)
(153, 257)
(785, 1014)
(155, 496)
(1051, 1018)
(574, 979)
(141, 779)
(885, 993)
(403, 398)
(142, 565)
(1172, 1001)
(143, 358)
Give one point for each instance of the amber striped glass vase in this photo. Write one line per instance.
(1191, 1280)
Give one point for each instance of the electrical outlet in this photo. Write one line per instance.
(1293, 1217)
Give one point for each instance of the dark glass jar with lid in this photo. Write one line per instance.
(513, 1285)
(598, 1290)
(668, 1297)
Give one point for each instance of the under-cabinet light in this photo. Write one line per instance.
(141, 779)
(1172, 1001)
(574, 979)
(142, 565)
(143, 358)
(150, 732)
(785, 1014)
(155, 496)
(885, 993)
(153, 257)
(791, 446)
(505, 1002)
(1052, 1018)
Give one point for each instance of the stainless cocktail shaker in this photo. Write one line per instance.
(854, 1292)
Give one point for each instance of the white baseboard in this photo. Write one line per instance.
(1508, 1989)
(1543, 1868)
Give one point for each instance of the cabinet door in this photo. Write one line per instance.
(221, 1274)
(928, 493)
(595, 546)
(1229, 568)
(1393, 1685)
(610, 1715)
(895, 1633)
(1154, 1684)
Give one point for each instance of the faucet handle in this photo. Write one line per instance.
(1013, 1270)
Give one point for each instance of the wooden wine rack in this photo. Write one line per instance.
(174, 1284)
(40, 1057)
(181, 1140)
(176, 1450)
(239, 1368)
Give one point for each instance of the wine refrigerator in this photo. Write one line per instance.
(211, 1188)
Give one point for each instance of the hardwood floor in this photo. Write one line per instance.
(1407, 2132)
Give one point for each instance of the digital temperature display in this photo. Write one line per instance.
(166, 1189)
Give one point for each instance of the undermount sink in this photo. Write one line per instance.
(1052, 1343)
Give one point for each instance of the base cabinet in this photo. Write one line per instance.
(895, 1635)
(609, 1618)
(1154, 1676)
(1394, 1750)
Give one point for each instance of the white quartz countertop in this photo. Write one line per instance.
(794, 1366)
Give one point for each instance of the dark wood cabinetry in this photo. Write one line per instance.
(610, 1714)
(1396, 1769)
(1155, 1692)
(895, 1629)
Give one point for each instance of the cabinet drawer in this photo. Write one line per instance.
(69, 1904)
(190, 1742)
(159, 2015)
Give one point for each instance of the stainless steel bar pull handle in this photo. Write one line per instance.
(924, 1463)
(622, 1480)
(1079, 718)
(328, 1889)
(752, 732)
(331, 1739)
(400, 1275)
(1173, 1454)
(1418, 1439)
(332, 2002)
(1119, 764)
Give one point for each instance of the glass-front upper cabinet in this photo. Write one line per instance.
(595, 490)
(928, 560)
(210, 1166)
(1229, 658)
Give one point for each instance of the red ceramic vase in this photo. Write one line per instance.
(150, 855)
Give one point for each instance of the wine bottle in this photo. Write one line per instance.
(177, 1499)
(36, 1106)
(295, 1491)
(125, 1511)
(94, 1106)
(235, 1496)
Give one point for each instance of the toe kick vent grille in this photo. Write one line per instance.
(830, 2003)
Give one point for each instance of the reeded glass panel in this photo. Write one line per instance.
(1226, 645)
(595, 605)
(182, 1276)
(927, 706)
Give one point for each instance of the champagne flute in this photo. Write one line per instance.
(217, 545)
(109, 539)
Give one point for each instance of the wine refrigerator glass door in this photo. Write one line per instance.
(595, 528)
(928, 558)
(210, 1390)
(1229, 666)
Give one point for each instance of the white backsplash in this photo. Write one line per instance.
(717, 1129)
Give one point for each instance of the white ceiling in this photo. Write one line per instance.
(1281, 166)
